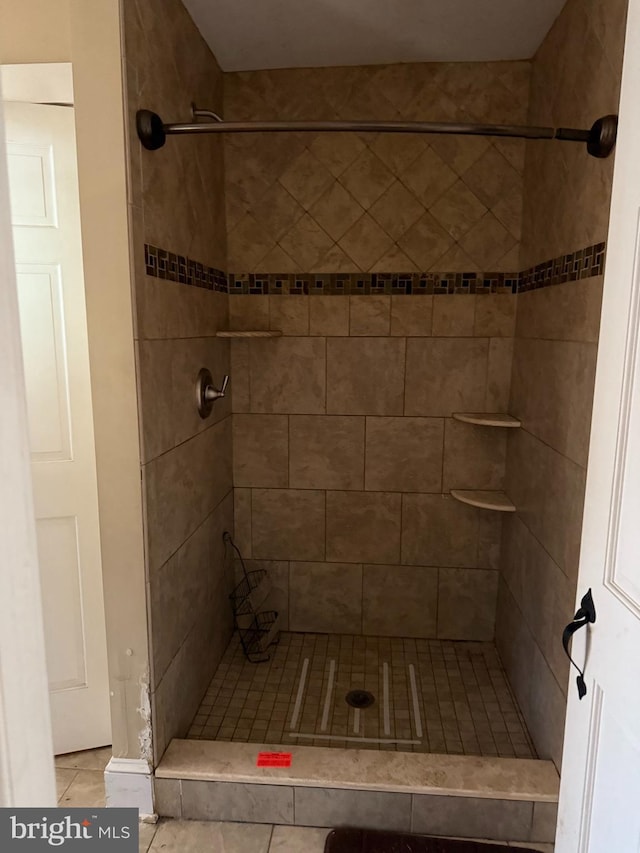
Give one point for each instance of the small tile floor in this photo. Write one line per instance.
(429, 696)
(80, 781)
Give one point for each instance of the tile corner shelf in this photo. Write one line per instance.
(497, 501)
(489, 419)
(265, 333)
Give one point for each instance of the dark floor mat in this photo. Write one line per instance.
(371, 841)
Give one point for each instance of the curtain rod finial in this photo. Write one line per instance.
(602, 136)
(150, 129)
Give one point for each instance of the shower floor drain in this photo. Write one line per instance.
(360, 698)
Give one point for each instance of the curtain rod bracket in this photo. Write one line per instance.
(600, 138)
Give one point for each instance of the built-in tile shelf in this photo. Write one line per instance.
(257, 334)
(497, 501)
(488, 419)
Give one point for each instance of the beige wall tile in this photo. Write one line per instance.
(329, 315)
(242, 520)
(167, 309)
(154, 398)
(395, 177)
(404, 454)
(287, 375)
(365, 242)
(249, 242)
(396, 210)
(327, 452)
(365, 376)
(261, 451)
(492, 178)
(188, 356)
(458, 210)
(278, 211)
(496, 315)
(399, 601)
(177, 592)
(566, 312)
(369, 315)
(335, 260)
(439, 531)
(278, 261)
(231, 801)
(367, 178)
(499, 375)
(445, 375)
(289, 314)
(544, 594)
(426, 242)
(306, 179)
(306, 243)
(278, 597)
(428, 177)
(287, 524)
(551, 227)
(548, 490)
(411, 316)
(336, 211)
(471, 818)
(453, 316)
(552, 392)
(182, 488)
(394, 260)
(249, 313)
(337, 150)
(397, 151)
(326, 597)
(363, 527)
(370, 809)
(466, 604)
(474, 457)
(487, 242)
(239, 375)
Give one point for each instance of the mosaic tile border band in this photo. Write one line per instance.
(581, 264)
(161, 263)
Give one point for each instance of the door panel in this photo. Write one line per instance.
(45, 361)
(47, 239)
(58, 550)
(600, 788)
(31, 185)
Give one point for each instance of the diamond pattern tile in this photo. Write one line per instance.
(306, 179)
(426, 197)
(336, 211)
(397, 210)
(458, 209)
(367, 178)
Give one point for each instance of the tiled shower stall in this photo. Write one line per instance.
(412, 278)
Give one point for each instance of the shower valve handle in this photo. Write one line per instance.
(211, 394)
(207, 393)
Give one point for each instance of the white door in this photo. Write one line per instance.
(43, 181)
(600, 790)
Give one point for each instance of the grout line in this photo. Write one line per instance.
(301, 686)
(356, 721)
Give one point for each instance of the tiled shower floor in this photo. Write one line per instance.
(430, 696)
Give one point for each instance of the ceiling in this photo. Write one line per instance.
(254, 34)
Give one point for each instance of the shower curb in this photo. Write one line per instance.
(466, 796)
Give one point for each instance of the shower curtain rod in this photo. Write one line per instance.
(600, 138)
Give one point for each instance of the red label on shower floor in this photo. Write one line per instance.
(274, 759)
